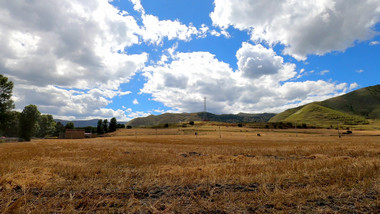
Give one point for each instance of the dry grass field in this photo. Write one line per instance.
(176, 171)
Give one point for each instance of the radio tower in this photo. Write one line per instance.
(204, 111)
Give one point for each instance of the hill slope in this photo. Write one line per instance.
(318, 115)
(170, 118)
(282, 116)
(351, 108)
(364, 102)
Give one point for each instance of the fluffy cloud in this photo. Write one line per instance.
(353, 86)
(68, 57)
(303, 27)
(156, 30)
(256, 61)
(257, 85)
(59, 53)
(70, 104)
(70, 44)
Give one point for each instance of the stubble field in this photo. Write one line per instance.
(175, 171)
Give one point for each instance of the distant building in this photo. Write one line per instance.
(74, 133)
(90, 135)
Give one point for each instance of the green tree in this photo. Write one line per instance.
(69, 125)
(47, 126)
(28, 122)
(6, 103)
(99, 127)
(11, 126)
(120, 126)
(59, 129)
(113, 124)
(105, 126)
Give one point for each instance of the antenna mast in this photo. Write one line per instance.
(204, 110)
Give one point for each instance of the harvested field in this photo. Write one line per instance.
(176, 171)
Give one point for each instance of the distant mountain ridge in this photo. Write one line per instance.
(83, 123)
(352, 108)
(170, 118)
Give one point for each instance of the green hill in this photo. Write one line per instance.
(351, 109)
(364, 102)
(282, 116)
(172, 118)
(317, 115)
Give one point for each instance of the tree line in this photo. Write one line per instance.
(31, 123)
(104, 126)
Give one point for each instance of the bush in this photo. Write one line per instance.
(191, 123)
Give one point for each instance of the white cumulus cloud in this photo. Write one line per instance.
(68, 57)
(303, 27)
(261, 83)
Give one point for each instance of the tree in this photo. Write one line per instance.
(59, 129)
(47, 126)
(6, 103)
(69, 125)
(105, 126)
(28, 122)
(99, 127)
(120, 126)
(11, 126)
(113, 125)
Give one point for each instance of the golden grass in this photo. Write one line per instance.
(175, 171)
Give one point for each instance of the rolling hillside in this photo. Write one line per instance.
(170, 118)
(364, 102)
(315, 114)
(350, 109)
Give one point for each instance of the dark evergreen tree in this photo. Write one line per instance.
(47, 126)
(105, 126)
(28, 122)
(99, 127)
(113, 125)
(6, 103)
(11, 126)
(120, 126)
(59, 129)
(69, 125)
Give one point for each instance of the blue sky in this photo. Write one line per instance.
(132, 58)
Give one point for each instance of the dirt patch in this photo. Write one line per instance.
(191, 154)
(317, 156)
(246, 155)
